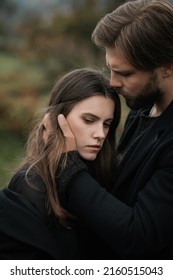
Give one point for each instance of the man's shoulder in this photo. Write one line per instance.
(133, 115)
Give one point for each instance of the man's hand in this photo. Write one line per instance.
(69, 136)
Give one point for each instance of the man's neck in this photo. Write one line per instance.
(158, 108)
(155, 112)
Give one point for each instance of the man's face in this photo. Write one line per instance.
(139, 88)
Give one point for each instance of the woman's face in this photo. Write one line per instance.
(90, 120)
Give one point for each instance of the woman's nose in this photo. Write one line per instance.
(99, 132)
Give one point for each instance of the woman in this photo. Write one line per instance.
(34, 221)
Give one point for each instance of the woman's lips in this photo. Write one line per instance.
(94, 147)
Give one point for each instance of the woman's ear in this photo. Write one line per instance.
(47, 127)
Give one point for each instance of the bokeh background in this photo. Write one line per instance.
(39, 41)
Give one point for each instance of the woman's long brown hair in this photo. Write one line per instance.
(44, 159)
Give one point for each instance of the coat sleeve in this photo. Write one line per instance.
(143, 229)
(23, 231)
(34, 193)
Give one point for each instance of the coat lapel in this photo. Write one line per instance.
(146, 146)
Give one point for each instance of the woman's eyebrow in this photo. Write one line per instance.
(96, 117)
(89, 114)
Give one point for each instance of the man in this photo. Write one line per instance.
(136, 219)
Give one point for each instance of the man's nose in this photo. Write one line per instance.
(115, 80)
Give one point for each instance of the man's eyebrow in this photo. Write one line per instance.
(108, 65)
(120, 71)
(111, 68)
(115, 70)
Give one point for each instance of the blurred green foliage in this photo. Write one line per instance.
(34, 51)
(11, 147)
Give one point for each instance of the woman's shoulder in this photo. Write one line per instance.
(24, 179)
(30, 185)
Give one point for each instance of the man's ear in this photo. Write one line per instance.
(167, 70)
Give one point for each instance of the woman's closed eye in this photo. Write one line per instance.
(107, 124)
(88, 120)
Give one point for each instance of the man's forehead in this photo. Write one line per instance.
(114, 59)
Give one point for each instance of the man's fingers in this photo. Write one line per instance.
(69, 136)
(47, 122)
(64, 126)
(48, 128)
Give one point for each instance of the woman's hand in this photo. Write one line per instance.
(69, 136)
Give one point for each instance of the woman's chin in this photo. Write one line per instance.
(89, 157)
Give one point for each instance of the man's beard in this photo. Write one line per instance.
(146, 97)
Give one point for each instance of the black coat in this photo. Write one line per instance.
(136, 219)
(27, 232)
